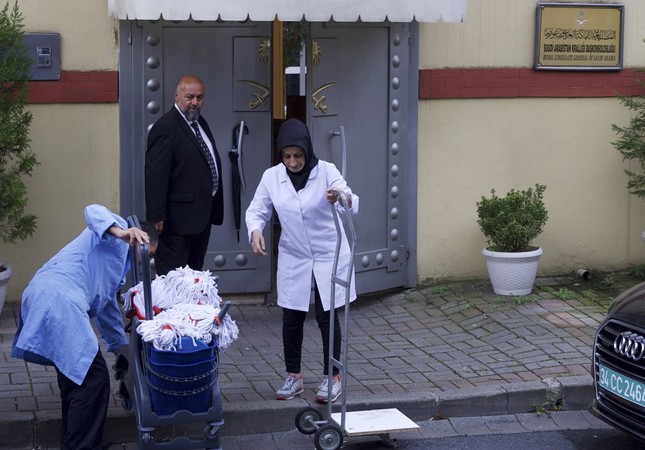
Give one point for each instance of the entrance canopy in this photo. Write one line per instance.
(291, 10)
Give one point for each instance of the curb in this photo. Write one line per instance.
(573, 393)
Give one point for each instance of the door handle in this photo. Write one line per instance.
(343, 149)
(238, 182)
(238, 147)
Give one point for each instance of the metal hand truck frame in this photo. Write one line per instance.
(329, 434)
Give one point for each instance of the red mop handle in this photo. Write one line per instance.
(222, 313)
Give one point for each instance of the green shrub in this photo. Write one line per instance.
(511, 223)
(16, 158)
(631, 143)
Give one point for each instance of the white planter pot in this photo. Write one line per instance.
(5, 275)
(512, 273)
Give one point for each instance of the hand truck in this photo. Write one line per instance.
(329, 434)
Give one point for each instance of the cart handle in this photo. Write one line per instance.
(141, 253)
(342, 196)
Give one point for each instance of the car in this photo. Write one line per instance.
(618, 366)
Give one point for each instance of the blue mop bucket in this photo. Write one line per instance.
(182, 379)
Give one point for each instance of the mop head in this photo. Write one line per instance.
(194, 321)
(134, 301)
(185, 302)
(182, 285)
(192, 287)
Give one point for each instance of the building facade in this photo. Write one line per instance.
(462, 111)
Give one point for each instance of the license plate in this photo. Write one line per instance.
(621, 385)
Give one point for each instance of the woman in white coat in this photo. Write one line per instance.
(301, 189)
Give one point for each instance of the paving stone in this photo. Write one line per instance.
(457, 340)
(570, 420)
(502, 424)
(537, 422)
(469, 426)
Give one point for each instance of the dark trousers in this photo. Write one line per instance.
(176, 251)
(292, 335)
(84, 407)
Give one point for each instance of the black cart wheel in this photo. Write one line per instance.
(211, 431)
(306, 418)
(126, 403)
(328, 437)
(146, 438)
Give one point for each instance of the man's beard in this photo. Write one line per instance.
(191, 114)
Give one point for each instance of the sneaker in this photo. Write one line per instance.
(323, 390)
(291, 387)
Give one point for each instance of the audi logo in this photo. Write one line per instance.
(630, 345)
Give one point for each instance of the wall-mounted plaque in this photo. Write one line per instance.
(579, 36)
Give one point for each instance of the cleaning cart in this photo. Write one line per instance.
(329, 434)
(174, 398)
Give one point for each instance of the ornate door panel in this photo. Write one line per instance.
(360, 82)
(233, 60)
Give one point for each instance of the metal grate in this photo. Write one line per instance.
(618, 409)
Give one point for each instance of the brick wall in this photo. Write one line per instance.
(520, 83)
(77, 87)
(103, 87)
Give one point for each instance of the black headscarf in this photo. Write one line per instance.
(294, 132)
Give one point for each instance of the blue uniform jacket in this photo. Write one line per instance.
(78, 284)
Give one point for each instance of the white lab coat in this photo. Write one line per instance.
(308, 239)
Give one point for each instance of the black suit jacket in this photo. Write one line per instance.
(178, 178)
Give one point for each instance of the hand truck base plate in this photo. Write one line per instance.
(375, 421)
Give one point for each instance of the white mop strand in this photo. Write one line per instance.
(186, 302)
(161, 335)
(182, 285)
(191, 286)
(195, 321)
(134, 297)
(159, 292)
(227, 332)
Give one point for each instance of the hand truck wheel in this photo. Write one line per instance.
(145, 438)
(126, 403)
(211, 431)
(328, 437)
(306, 420)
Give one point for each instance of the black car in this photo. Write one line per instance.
(618, 367)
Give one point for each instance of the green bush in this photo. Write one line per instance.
(631, 143)
(511, 223)
(16, 158)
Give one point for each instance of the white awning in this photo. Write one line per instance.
(292, 10)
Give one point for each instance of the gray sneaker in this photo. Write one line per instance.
(323, 390)
(292, 386)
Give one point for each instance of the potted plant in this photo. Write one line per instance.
(16, 158)
(510, 224)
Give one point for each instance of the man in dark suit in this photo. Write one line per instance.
(183, 182)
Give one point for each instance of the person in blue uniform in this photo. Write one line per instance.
(80, 283)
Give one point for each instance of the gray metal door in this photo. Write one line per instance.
(233, 60)
(362, 81)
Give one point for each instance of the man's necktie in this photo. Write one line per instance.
(207, 155)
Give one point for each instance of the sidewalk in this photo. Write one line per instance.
(438, 351)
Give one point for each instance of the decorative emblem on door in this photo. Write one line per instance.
(261, 97)
(316, 53)
(318, 101)
(264, 50)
